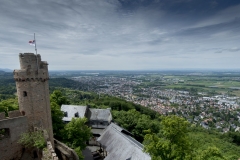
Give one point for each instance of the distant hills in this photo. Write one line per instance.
(6, 73)
(5, 70)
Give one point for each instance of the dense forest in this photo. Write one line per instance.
(164, 137)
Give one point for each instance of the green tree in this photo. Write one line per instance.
(235, 136)
(211, 153)
(77, 133)
(57, 122)
(79, 153)
(58, 98)
(127, 119)
(135, 122)
(8, 105)
(172, 142)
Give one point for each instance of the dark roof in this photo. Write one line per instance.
(121, 146)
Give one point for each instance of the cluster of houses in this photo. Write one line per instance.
(109, 140)
(164, 101)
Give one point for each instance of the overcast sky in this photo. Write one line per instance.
(122, 34)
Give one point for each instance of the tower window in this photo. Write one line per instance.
(23, 113)
(24, 94)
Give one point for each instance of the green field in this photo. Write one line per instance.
(201, 83)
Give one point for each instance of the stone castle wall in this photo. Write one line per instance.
(14, 126)
(49, 152)
(64, 151)
(34, 112)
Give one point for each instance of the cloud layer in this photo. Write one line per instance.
(122, 34)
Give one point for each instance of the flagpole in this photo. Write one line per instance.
(36, 50)
(35, 44)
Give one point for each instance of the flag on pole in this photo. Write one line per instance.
(32, 42)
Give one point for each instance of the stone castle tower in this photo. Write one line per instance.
(33, 92)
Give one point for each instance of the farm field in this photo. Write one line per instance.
(208, 84)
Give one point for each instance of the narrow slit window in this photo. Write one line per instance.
(23, 113)
(24, 94)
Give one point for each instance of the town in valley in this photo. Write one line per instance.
(206, 98)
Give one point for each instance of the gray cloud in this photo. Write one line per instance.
(122, 34)
(234, 49)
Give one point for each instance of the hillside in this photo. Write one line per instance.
(133, 117)
(5, 70)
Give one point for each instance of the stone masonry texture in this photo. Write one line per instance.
(9, 146)
(34, 107)
(33, 91)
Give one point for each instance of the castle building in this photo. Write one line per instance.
(34, 114)
(33, 92)
(34, 109)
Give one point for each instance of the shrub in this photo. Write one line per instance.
(32, 139)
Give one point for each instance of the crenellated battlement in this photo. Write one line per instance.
(32, 68)
(11, 114)
(30, 75)
(29, 60)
